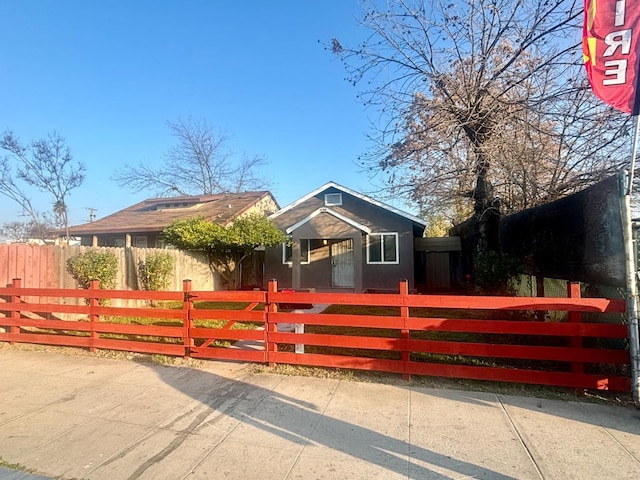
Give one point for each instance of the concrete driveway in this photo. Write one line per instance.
(88, 417)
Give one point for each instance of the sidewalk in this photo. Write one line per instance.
(88, 417)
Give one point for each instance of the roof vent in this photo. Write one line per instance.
(331, 199)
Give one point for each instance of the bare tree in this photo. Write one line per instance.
(22, 232)
(199, 163)
(481, 104)
(45, 164)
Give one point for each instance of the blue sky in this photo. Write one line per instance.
(108, 75)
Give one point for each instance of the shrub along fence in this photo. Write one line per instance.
(473, 337)
(41, 266)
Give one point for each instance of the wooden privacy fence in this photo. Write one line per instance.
(45, 266)
(473, 337)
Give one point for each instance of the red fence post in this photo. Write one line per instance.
(93, 317)
(573, 291)
(187, 320)
(270, 307)
(15, 314)
(404, 333)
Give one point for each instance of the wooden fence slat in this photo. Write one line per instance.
(45, 308)
(559, 379)
(339, 361)
(511, 327)
(249, 296)
(600, 305)
(364, 321)
(142, 330)
(48, 324)
(226, 334)
(4, 264)
(141, 347)
(229, 354)
(46, 339)
(520, 327)
(341, 341)
(238, 315)
(139, 312)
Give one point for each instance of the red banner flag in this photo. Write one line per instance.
(612, 52)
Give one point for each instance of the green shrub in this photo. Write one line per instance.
(155, 273)
(93, 265)
(494, 273)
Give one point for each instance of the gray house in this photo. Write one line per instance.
(342, 240)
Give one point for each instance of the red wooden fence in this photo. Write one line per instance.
(415, 334)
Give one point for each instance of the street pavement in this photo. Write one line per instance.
(86, 417)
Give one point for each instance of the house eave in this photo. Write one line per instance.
(115, 231)
(361, 196)
(318, 211)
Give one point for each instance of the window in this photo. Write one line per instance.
(382, 248)
(287, 251)
(332, 199)
(140, 242)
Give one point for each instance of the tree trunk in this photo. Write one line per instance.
(486, 209)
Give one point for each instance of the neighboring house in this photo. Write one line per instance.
(141, 225)
(342, 240)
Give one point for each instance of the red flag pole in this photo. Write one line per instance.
(612, 59)
(633, 155)
(631, 288)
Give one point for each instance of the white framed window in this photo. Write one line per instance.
(382, 248)
(287, 252)
(331, 199)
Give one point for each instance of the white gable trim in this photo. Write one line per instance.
(355, 194)
(317, 212)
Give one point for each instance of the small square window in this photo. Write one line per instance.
(331, 199)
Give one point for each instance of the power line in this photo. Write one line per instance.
(92, 213)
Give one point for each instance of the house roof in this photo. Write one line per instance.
(153, 214)
(303, 209)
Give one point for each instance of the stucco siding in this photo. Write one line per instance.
(275, 269)
(388, 276)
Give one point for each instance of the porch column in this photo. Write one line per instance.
(357, 262)
(295, 263)
(94, 241)
(127, 240)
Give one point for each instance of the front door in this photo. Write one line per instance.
(342, 264)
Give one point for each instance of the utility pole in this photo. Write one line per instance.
(92, 213)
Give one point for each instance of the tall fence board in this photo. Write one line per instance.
(46, 266)
(577, 238)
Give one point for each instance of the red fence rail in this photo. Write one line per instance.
(474, 337)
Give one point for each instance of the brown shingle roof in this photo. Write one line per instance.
(153, 214)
